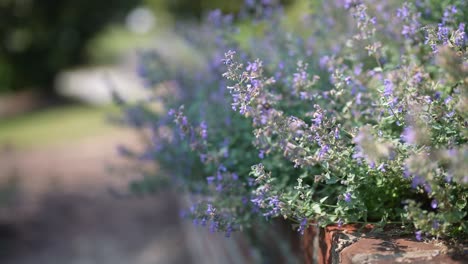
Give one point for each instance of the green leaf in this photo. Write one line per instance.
(323, 199)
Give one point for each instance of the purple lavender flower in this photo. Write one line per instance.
(235, 176)
(215, 17)
(358, 98)
(442, 33)
(323, 150)
(418, 77)
(340, 223)
(434, 204)
(203, 157)
(299, 77)
(210, 179)
(184, 121)
(274, 205)
(302, 226)
(323, 62)
(204, 127)
(261, 154)
(460, 35)
(347, 197)
(210, 209)
(337, 133)
(222, 168)
(213, 226)
(406, 173)
(403, 12)
(449, 177)
(418, 235)
(317, 118)
(448, 100)
(427, 187)
(388, 88)
(409, 135)
(381, 167)
(448, 14)
(417, 180)
(250, 181)
(249, 3)
(252, 66)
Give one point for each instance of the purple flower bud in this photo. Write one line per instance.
(434, 204)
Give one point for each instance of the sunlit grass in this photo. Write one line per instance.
(57, 125)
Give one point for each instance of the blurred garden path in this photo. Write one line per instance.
(63, 212)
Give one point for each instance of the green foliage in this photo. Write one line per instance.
(360, 120)
(40, 37)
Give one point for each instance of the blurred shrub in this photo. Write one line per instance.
(41, 37)
(359, 119)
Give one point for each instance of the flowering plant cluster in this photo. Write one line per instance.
(357, 115)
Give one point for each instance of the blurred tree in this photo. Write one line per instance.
(38, 38)
(196, 8)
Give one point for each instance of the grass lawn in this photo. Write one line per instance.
(55, 125)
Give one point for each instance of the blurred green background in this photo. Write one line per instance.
(42, 39)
